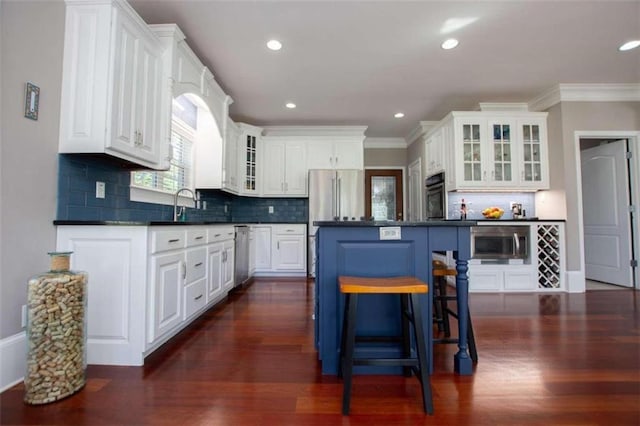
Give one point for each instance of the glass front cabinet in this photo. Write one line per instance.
(497, 151)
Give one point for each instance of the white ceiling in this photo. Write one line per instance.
(359, 62)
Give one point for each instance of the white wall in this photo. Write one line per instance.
(31, 51)
(581, 117)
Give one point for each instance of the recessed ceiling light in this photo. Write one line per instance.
(629, 45)
(398, 115)
(274, 45)
(290, 105)
(449, 44)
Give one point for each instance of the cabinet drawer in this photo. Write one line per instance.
(196, 264)
(194, 297)
(196, 236)
(289, 229)
(167, 240)
(220, 233)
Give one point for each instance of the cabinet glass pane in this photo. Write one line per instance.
(466, 132)
(497, 172)
(467, 152)
(477, 172)
(535, 133)
(527, 172)
(498, 152)
(496, 132)
(507, 172)
(506, 156)
(467, 171)
(536, 153)
(476, 152)
(527, 152)
(476, 132)
(537, 172)
(526, 133)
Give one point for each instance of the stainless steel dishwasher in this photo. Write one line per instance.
(242, 255)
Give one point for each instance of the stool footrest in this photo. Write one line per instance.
(387, 362)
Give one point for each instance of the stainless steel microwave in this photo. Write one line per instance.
(499, 242)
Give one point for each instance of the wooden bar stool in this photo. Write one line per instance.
(408, 288)
(442, 311)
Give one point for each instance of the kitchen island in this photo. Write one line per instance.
(384, 249)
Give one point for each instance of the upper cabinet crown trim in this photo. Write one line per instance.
(585, 93)
(315, 130)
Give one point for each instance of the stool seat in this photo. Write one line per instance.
(393, 285)
(408, 289)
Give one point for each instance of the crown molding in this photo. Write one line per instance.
(333, 131)
(585, 93)
(420, 130)
(380, 143)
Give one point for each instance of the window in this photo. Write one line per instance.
(183, 136)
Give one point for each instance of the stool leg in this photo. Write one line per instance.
(421, 347)
(442, 284)
(437, 306)
(347, 361)
(406, 337)
(471, 340)
(343, 337)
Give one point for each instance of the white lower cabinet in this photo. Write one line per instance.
(167, 279)
(491, 278)
(280, 250)
(146, 283)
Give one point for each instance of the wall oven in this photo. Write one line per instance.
(499, 242)
(435, 197)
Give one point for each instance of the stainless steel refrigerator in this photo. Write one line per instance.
(333, 195)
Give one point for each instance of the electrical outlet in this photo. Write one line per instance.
(204, 205)
(24, 316)
(100, 189)
(270, 209)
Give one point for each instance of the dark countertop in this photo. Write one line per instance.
(161, 223)
(350, 223)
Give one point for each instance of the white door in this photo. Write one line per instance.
(415, 191)
(607, 222)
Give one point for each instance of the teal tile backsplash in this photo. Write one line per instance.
(77, 176)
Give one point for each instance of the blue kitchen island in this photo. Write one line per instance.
(384, 249)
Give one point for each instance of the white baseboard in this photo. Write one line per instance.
(13, 353)
(576, 282)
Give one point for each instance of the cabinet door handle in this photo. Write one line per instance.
(184, 271)
(174, 240)
(199, 237)
(217, 235)
(198, 297)
(278, 245)
(198, 264)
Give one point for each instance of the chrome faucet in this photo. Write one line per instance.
(179, 210)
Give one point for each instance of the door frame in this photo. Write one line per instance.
(634, 167)
(404, 183)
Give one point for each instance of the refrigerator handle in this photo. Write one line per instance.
(339, 196)
(334, 202)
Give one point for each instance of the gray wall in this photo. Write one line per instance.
(585, 116)
(385, 157)
(32, 35)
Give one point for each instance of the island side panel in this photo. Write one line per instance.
(358, 251)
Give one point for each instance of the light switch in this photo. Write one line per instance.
(100, 189)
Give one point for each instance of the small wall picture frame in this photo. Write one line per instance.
(32, 98)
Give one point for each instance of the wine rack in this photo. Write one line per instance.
(549, 256)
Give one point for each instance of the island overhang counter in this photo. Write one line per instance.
(385, 249)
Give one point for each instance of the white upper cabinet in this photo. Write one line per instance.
(186, 75)
(496, 151)
(335, 154)
(249, 151)
(285, 172)
(434, 147)
(230, 180)
(111, 86)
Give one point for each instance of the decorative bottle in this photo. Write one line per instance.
(463, 210)
(56, 332)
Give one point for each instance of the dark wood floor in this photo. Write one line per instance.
(562, 359)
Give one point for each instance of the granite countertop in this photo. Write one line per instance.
(364, 223)
(161, 223)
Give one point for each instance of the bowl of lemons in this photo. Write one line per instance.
(492, 213)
